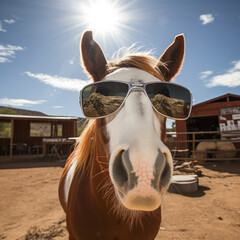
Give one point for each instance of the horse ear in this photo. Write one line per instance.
(93, 58)
(171, 60)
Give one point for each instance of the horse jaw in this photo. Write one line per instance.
(136, 131)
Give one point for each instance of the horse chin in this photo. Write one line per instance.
(139, 200)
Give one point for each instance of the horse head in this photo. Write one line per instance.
(140, 164)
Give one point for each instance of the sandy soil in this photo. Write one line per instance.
(29, 207)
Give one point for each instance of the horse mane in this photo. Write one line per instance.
(132, 57)
(91, 145)
(85, 149)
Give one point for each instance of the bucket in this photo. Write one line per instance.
(184, 184)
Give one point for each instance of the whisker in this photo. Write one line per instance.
(100, 186)
(115, 207)
(103, 163)
(105, 170)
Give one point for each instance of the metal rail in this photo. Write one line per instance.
(191, 154)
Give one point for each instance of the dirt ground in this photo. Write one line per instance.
(29, 207)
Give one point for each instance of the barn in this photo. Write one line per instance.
(28, 137)
(215, 120)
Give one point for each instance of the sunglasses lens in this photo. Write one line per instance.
(169, 99)
(103, 98)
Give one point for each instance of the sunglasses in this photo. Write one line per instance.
(101, 99)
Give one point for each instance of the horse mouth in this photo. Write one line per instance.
(140, 200)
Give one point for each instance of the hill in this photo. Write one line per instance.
(18, 111)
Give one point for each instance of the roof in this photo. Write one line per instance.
(224, 98)
(7, 116)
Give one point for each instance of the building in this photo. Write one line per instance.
(22, 135)
(219, 115)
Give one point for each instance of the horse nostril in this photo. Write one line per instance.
(120, 174)
(123, 173)
(162, 172)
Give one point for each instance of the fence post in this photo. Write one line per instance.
(11, 140)
(193, 148)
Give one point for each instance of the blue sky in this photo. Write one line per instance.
(39, 47)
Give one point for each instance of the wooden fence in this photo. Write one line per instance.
(183, 145)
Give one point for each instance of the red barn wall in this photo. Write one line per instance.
(22, 130)
(201, 110)
(208, 109)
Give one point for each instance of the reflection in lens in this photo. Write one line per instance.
(170, 99)
(102, 99)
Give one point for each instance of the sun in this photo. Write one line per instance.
(102, 16)
(109, 20)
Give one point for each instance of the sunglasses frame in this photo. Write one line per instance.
(131, 87)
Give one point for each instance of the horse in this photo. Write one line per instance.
(113, 182)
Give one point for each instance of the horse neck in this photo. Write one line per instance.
(100, 200)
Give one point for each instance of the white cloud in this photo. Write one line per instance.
(3, 59)
(9, 21)
(1, 27)
(229, 79)
(72, 84)
(205, 74)
(206, 18)
(8, 51)
(57, 107)
(236, 66)
(19, 102)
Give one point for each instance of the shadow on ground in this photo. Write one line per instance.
(32, 165)
(232, 167)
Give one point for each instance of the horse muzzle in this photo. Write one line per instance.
(140, 184)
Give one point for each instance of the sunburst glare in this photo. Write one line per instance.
(112, 21)
(106, 17)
